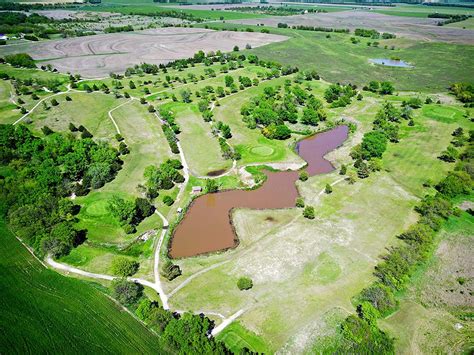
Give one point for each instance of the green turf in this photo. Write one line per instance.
(237, 337)
(44, 312)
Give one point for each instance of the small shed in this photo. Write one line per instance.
(196, 189)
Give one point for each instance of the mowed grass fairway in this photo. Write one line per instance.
(44, 312)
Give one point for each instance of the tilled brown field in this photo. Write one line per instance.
(97, 56)
(411, 27)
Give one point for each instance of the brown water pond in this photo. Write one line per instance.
(207, 227)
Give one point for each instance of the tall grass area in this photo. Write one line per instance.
(44, 312)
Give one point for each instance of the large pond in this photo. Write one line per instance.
(207, 225)
(391, 62)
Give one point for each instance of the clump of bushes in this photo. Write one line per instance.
(244, 283)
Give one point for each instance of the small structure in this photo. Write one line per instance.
(196, 189)
(179, 210)
(3, 37)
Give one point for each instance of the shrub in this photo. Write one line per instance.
(300, 202)
(328, 189)
(304, 175)
(170, 270)
(308, 212)
(124, 267)
(168, 200)
(20, 60)
(244, 283)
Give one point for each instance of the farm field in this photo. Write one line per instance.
(424, 29)
(77, 315)
(97, 56)
(210, 180)
(338, 60)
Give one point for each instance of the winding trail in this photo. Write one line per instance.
(39, 102)
(115, 108)
(193, 276)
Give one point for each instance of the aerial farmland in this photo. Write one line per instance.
(236, 178)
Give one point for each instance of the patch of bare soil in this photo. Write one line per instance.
(97, 56)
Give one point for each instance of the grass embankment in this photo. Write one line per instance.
(44, 312)
(436, 65)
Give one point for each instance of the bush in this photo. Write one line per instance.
(170, 271)
(328, 189)
(308, 212)
(126, 292)
(124, 267)
(168, 200)
(300, 202)
(304, 175)
(244, 283)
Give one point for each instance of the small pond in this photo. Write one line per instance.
(391, 63)
(207, 225)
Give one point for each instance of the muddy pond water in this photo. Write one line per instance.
(207, 226)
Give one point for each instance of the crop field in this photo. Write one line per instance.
(79, 318)
(97, 56)
(410, 27)
(406, 10)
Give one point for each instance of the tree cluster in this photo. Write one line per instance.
(128, 213)
(163, 177)
(43, 171)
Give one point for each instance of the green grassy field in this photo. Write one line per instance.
(338, 60)
(236, 337)
(43, 311)
(150, 9)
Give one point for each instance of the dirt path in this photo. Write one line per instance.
(156, 262)
(115, 108)
(39, 102)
